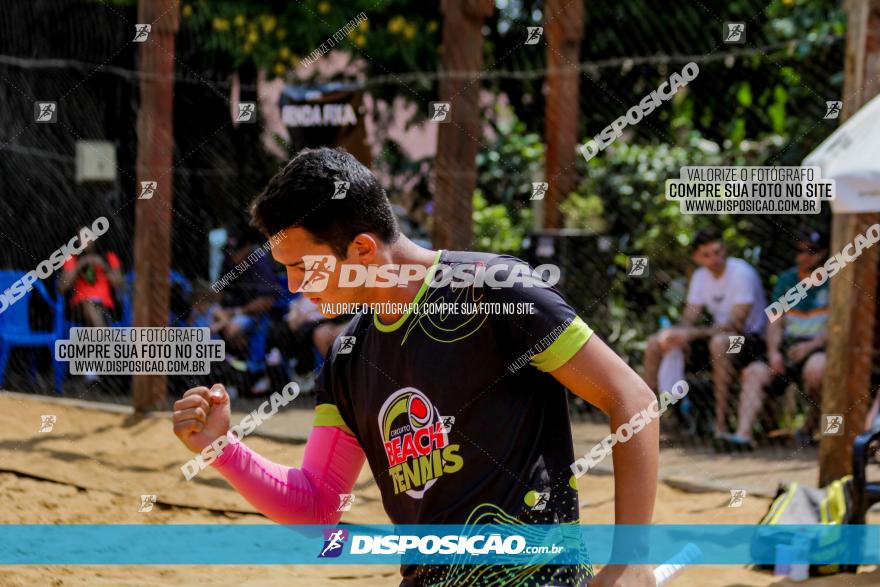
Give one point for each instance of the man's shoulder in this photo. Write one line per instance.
(742, 266)
(458, 257)
(789, 275)
(700, 274)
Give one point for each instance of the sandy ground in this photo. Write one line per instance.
(94, 465)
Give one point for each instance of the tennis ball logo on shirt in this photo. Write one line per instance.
(416, 441)
(419, 414)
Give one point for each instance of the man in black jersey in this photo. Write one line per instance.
(455, 385)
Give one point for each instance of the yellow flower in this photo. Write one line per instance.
(253, 37)
(364, 24)
(238, 20)
(280, 69)
(294, 59)
(284, 52)
(187, 10)
(323, 7)
(280, 34)
(360, 40)
(409, 31)
(396, 24)
(268, 23)
(432, 26)
(221, 24)
(248, 48)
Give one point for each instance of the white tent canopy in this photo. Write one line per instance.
(851, 157)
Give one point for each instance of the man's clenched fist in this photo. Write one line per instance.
(201, 416)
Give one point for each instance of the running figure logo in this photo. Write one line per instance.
(341, 189)
(141, 32)
(833, 425)
(446, 423)
(735, 344)
(539, 189)
(439, 111)
(832, 109)
(735, 32)
(317, 272)
(45, 112)
(247, 112)
(333, 541)
(541, 500)
(147, 502)
(346, 345)
(148, 188)
(47, 422)
(737, 496)
(638, 267)
(534, 35)
(346, 500)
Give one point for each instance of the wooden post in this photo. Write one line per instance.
(846, 388)
(564, 27)
(458, 141)
(152, 235)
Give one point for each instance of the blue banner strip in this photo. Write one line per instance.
(269, 544)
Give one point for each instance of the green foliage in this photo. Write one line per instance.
(497, 228)
(276, 36)
(624, 187)
(510, 160)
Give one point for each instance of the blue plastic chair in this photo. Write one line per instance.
(257, 345)
(15, 330)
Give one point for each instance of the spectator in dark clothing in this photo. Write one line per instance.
(250, 289)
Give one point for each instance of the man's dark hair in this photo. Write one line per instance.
(704, 236)
(301, 195)
(816, 238)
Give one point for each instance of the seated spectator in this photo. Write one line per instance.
(93, 278)
(305, 331)
(795, 342)
(731, 290)
(308, 325)
(251, 288)
(206, 310)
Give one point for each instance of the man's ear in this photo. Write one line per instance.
(364, 248)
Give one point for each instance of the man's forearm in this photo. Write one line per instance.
(774, 336)
(308, 495)
(635, 469)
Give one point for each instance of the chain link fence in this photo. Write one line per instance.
(761, 101)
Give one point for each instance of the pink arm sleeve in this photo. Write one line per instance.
(309, 495)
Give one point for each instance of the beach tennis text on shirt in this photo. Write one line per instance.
(140, 350)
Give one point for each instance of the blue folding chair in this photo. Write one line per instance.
(15, 330)
(256, 362)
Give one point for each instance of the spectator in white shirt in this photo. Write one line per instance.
(730, 290)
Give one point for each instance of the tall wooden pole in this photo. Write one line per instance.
(846, 388)
(564, 27)
(152, 235)
(458, 141)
